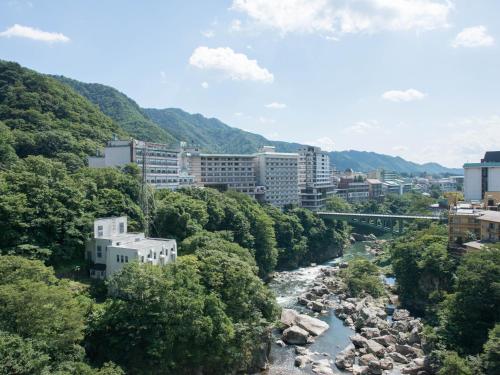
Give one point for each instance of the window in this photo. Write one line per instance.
(122, 227)
(126, 259)
(154, 255)
(122, 260)
(99, 251)
(117, 258)
(142, 258)
(100, 231)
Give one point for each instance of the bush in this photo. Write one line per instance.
(363, 277)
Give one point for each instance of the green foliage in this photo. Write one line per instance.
(19, 356)
(123, 110)
(362, 277)
(454, 365)
(338, 204)
(406, 204)
(423, 268)
(491, 354)
(468, 314)
(45, 117)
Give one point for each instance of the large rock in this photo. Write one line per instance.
(398, 357)
(375, 348)
(317, 306)
(409, 351)
(322, 367)
(370, 332)
(365, 359)
(288, 317)
(345, 359)
(302, 360)
(359, 370)
(374, 367)
(358, 341)
(385, 340)
(312, 325)
(320, 290)
(401, 314)
(295, 336)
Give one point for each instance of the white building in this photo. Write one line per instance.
(161, 161)
(481, 178)
(314, 178)
(277, 177)
(112, 247)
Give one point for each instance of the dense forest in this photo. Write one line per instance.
(210, 311)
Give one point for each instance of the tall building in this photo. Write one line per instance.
(277, 177)
(483, 177)
(112, 246)
(314, 178)
(160, 161)
(224, 171)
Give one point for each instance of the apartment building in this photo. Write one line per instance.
(375, 190)
(463, 223)
(358, 192)
(314, 178)
(224, 171)
(483, 177)
(277, 177)
(112, 247)
(161, 162)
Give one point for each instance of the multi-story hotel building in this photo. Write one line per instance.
(160, 161)
(223, 171)
(482, 178)
(277, 177)
(314, 178)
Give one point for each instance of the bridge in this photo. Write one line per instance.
(384, 222)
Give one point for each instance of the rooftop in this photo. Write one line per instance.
(143, 243)
(490, 216)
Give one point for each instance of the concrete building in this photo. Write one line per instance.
(463, 223)
(374, 188)
(314, 178)
(446, 185)
(161, 162)
(113, 246)
(483, 177)
(224, 171)
(358, 192)
(277, 177)
(490, 226)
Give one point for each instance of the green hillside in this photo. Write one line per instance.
(41, 116)
(123, 110)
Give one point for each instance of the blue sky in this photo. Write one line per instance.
(415, 78)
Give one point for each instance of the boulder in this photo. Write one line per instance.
(386, 364)
(295, 336)
(365, 359)
(302, 360)
(358, 341)
(400, 314)
(320, 290)
(374, 367)
(312, 325)
(288, 317)
(345, 359)
(359, 370)
(280, 343)
(347, 307)
(317, 306)
(385, 340)
(397, 357)
(370, 332)
(322, 367)
(409, 351)
(375, 348)
(300, 350)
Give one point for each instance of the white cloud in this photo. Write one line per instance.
(476, 36)
(208, 33)
(403, 95)
(235, 65)
(235, 25)
(34, 34)
(333, 17)
(204, 84)
(362, 127)
(276, 105)
(326, 143)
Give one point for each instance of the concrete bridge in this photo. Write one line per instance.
(383, 222)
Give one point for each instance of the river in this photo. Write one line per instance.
(287, 286)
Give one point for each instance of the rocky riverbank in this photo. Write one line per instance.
(385, 340)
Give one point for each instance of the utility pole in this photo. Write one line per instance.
(144, 190)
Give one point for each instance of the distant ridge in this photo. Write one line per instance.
(171, 125)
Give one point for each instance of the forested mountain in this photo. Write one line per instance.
(212, 135)
(123, 110)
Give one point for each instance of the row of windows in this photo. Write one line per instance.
(121, 258)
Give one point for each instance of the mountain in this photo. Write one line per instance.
(172, 125)
(210, 133)
(367, 161)
(123, 110)
(41, 116)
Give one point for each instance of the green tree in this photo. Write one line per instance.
(491, 352)
(20, 356)
(362, 277)
(454, 365)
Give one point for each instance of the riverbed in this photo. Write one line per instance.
(287, 286)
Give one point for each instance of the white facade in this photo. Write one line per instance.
(161, 162)
(277, 174)
(481, 178)
(314, 178)
(112, 247)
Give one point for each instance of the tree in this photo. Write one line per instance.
(454, 365)
(491, 353)
(338, 204)
(362, 277)
(468, 314)
(20, 356)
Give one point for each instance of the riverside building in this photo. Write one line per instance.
(483, 178)
(112, 247)
(314, 178)
(277, 177)
(160, 162)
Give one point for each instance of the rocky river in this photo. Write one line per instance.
(345, 335)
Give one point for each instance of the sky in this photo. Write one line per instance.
(414, 78)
